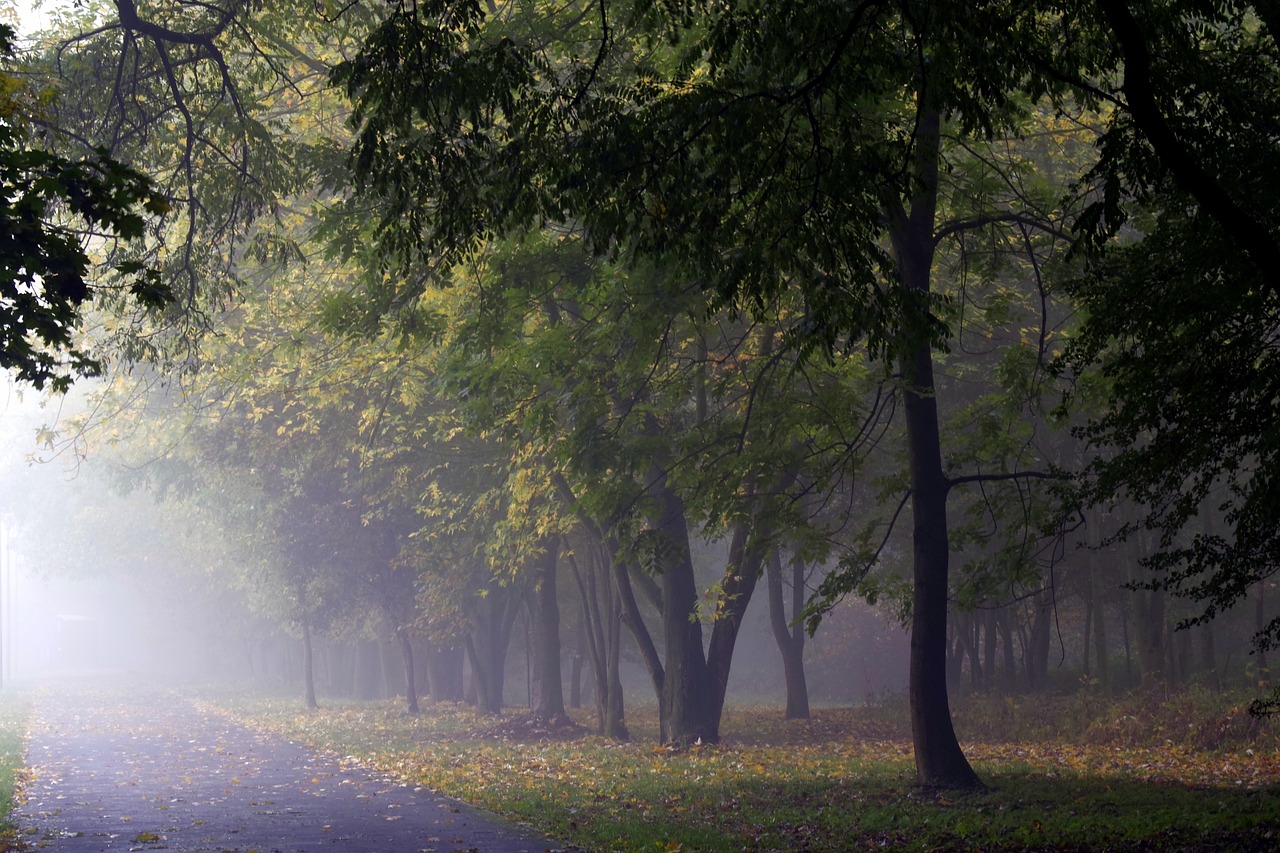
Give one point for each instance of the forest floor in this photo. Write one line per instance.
(131, 767)
(1187, 772)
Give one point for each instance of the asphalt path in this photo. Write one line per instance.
(143, 769)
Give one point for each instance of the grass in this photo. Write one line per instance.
(15, 711)
(840, 781)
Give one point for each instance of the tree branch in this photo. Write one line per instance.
(999, 478)
(1248, 232)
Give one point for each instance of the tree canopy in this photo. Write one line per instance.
(589, 285)
(52, 206)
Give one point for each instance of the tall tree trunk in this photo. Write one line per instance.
(1010, 677)
(1102, 654)
(1209, 656)
(789, 638)
(389, 675)
(746, 556)
(1086, 663)
(608, 601)
(576, 666)
(308, 668)
(410, 672)
(1037, 650)
(1128, 646)
(487, 645)
(747, 550)
(615, 719)
(548, 704)
(1150, 625)
(989, 637)
(939, 760)
(685, 714)
(610, 702)
(422, 649)
(1259, 625)
(446, 668)
(368, 671)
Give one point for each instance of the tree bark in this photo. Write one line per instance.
(989, 637)
(789, 638)
(308, 668)
(410, 673)
(939, 760)
(1102, 654)
(602, 629)
(487, 645)
(1037, 651)
(1259, 624)
(746, 556)
(548, 703)
(446, 668)
(368, 671)
(609, 604)
(686, 705)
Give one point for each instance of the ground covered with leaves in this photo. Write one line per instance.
(1141, 774)
(15, 710)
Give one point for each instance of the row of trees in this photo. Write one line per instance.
(481, 298)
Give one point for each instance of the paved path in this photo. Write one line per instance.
(144, 770)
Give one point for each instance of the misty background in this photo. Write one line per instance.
(99, 582)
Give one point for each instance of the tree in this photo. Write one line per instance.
(766, 150)
(51, 207)
(1181, 296)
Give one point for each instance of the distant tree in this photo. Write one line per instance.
(758, 148)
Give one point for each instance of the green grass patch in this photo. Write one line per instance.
(842, 780)
(15, 713)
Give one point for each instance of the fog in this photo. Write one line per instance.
(92, 582)
(98, 578)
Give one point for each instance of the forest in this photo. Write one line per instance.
(548, 355)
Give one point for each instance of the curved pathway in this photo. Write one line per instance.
(142, 769)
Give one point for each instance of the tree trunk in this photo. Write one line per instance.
(746, 555)
(576, 665)
(989, 637)
(1086, 665)
(410, 673)
(487, 645)
(548, 704)
(308, 668)
(1259, 625)
(446, 668)
(1099, 627)
(390, 675)
(615, 719)
(422, 649)
(601, 630)
(1010, 661)
(368, 671)
(789, 638)
(685, 714)
(1209, 657)
(1037, 650)
(939, 760)
(1151, 636)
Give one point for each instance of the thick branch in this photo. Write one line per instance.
(1248, 232)
(956, 226)
(999, 478)
(129, 19)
